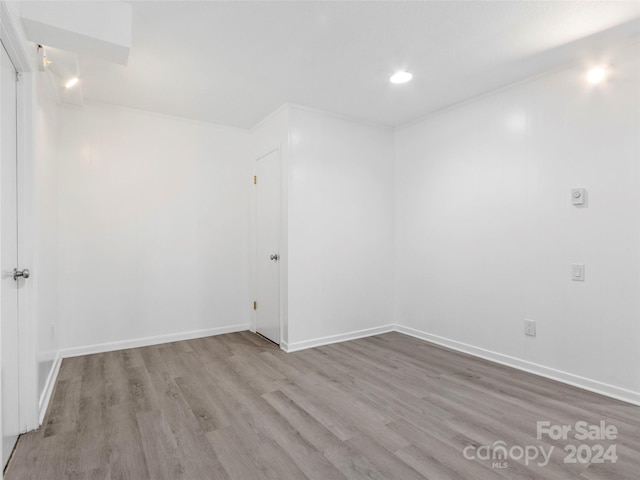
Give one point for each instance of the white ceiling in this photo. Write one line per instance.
(233, 63)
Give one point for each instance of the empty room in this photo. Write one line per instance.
(245, 240)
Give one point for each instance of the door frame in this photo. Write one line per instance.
(281, 251)
(14, 43)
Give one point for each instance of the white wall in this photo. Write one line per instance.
(152, 225)
(486, 232)
(157, 240)
(340, 227)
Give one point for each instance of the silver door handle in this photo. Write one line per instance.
(275, 257)
(21, 273)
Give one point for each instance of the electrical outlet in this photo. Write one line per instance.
(530, 327)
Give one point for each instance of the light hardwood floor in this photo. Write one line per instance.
(236, 407)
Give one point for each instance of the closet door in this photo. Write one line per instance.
(267, 246)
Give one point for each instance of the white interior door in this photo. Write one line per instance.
(9, 399)
(267, 243)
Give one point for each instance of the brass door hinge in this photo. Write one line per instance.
(255, 305)
(255, 179)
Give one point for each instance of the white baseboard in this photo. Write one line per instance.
(595, 386)
(584, 383)
(148, 341)
(45, 397)
(565, 377)
(343, 337)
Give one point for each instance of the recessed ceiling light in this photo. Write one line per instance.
(71, 82)
(596, 75)
(400, 77)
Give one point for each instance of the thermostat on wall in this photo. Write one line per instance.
(578, 196)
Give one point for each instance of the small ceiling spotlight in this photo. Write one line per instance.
(401, 77)
(597, 75)
(71, 82)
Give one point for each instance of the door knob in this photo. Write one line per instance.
(275, 257)
(21, 273)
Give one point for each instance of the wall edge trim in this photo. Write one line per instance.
(342, 337)
(591, 385)
(49, 387)
(561, 376)
(567, 378)
(149, 341)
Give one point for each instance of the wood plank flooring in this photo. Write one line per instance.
(236, 407)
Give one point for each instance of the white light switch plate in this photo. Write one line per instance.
(577, 272)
